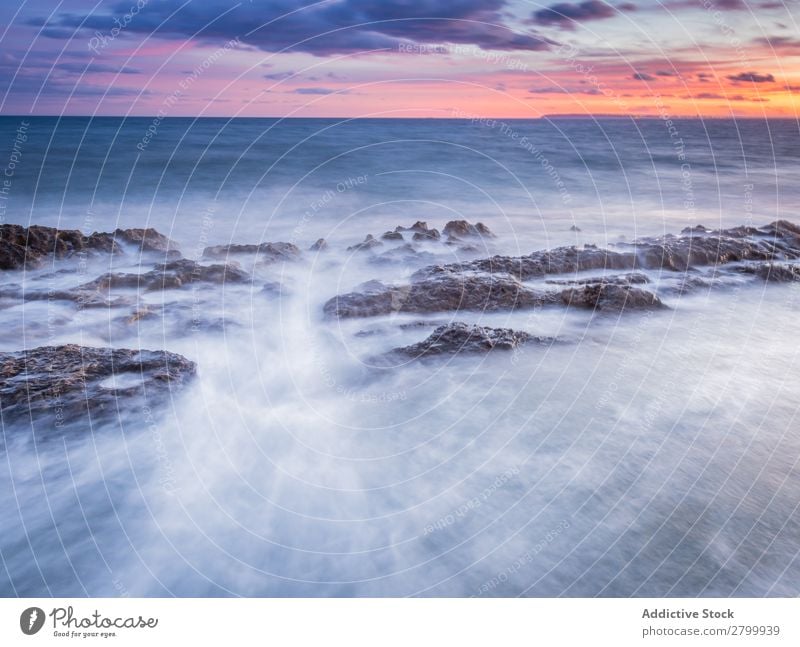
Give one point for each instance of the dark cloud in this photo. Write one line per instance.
(643, 76)
(315, 91)
(752, 77)
(730, 5)
(278, 76)
(780, 42)
(95, 68)
(566, 14)
(666, 73)
(732, 97)
(321, 28)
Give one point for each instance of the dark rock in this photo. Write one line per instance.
(404, 254)
(458, 337)
(273, 289)
(148, 240)
(368, 244)
(392, 235)
(266, 252)
(774, 272)
(632, 278)
(66, 383)
(30, 246)
(165, 276)
(575, 228)
(447, 292)
(463, 229)
(607, 296)
(431, 234)
(319, 246)
(419, 227)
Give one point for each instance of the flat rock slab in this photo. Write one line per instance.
(461, 338)
(68, 383)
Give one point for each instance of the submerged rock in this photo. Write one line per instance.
(165, 276)
(610, 296)
(458, 337)
(448, 292)
(774, 272)
(632, 278)
(367, 245)
(148, 240)
(392, 235)
(419, 227)
(319, 246)
(67, 383)
(430, 234)
(266, 252)
(464, 229)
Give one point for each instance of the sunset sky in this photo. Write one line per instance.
(400, 58)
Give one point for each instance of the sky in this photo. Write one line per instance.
(400, 58)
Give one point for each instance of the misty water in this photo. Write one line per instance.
(646, 454)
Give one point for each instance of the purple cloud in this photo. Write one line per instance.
(643, 76)
(348, 26)
(566, 14)
(752, 77)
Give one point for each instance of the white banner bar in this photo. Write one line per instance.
(399, 622)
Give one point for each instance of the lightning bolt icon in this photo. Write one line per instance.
(32, 619)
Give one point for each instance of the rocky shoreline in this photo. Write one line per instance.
(77, 382)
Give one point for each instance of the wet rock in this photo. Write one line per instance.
(774, 272)
(392, 235)
(575, 228)
(319, 246)
(462, 338)
(777, 241)
(368, 244)
(610, 297)
(64, 384)
(419, 227)
(464, 229)
(447, 292)
(404, 254)
(148, 240)
(165, 276)
(430, 234)
(266, 252)
(29, 246)
(631, 278)
(273, 289)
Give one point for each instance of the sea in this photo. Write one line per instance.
(645, 454)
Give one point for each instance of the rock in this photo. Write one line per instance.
(171, 275)
(776, 241)
(609, 296)
(447, 292)
(463, 229)
(774, 272)
(148, 240)
(403, 254)
(266, 252)
(29, 246)
(319, 246)
(392, 235)
(66, 383)
(368, 244)
(431, 234)
(419, 227)
(273, 289)
(632, 278)
(575, 228)
(455, 338)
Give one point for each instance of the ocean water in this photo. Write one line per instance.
(646, 455)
